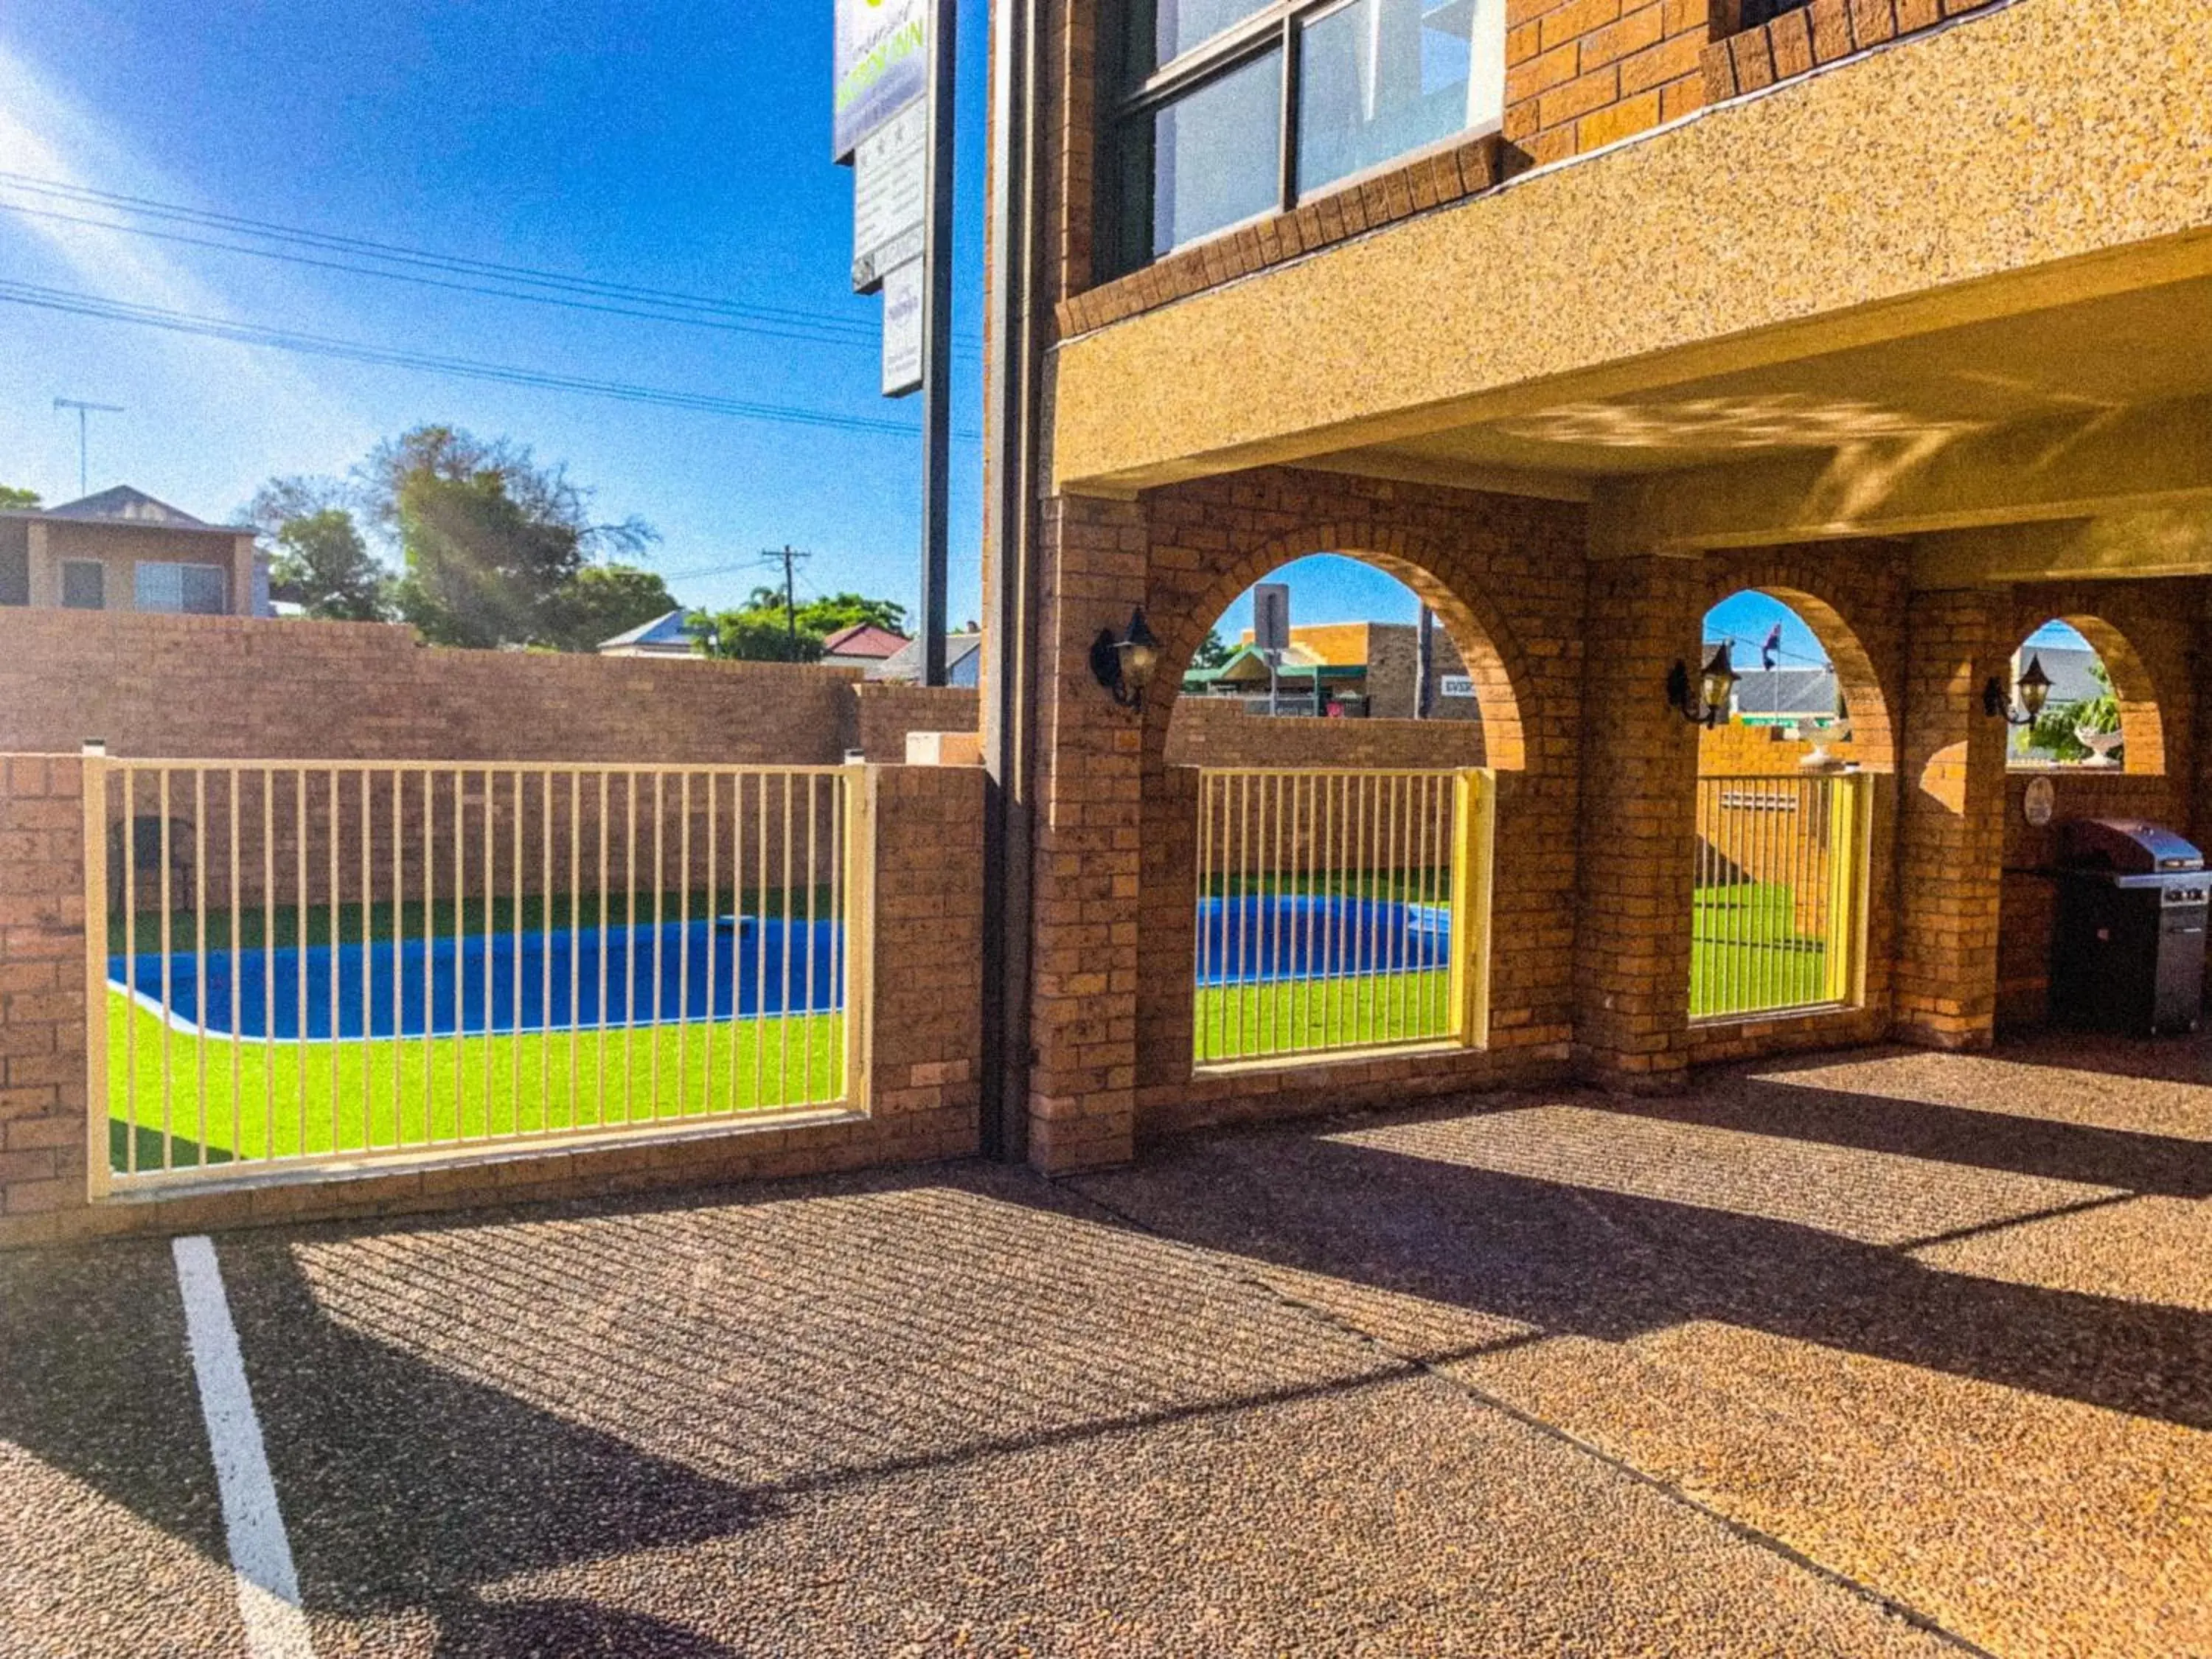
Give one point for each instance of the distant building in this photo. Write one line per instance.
(1788, 696)
(1353, 668)
(122, 550)
(673, 635)
(863, 645)
(964, 662)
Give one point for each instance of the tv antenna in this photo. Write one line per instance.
(84, 412)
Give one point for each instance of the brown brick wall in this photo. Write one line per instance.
(1749, 60)
(922, 1061)
(220, 687)
(1220, 731)
(42, 992)
(1504, 575)
(887, 713)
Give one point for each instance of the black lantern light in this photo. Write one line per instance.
(1708, 703)
(1124, 667)
(2034, 689)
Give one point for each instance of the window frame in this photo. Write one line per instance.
(1275, 27)
(62, 568)
(139, 568)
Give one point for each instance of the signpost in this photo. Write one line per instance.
(1271, 632)
(893, 117)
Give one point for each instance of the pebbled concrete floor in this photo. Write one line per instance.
(1883, 1354)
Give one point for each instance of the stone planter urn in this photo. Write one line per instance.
(2100, 745)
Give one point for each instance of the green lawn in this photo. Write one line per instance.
(1290, 1017)
(337, 1098)
(1747, 955)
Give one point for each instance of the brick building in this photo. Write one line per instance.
(1578, 319)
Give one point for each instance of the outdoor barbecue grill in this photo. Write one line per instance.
(2128, 952)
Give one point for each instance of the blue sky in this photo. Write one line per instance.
(682, 147)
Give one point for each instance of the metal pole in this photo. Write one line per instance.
(1425, 659)
(1010, 420)
(790, 606)
(937, 338)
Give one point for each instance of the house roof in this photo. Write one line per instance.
(1786, 694)
(670, 632)
(125, 506)
(864, 640)
(1248, 665)
(962, 658)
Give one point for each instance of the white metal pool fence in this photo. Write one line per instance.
(298, 964)
(1340, 910)
(1779, 907)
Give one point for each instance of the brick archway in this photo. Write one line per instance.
(1183, 603)
(1859, 680)
(2134, 688)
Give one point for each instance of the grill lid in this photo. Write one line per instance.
(2129, 846)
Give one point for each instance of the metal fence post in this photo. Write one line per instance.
(96, 1107)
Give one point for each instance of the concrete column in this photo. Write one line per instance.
(46, 574)
(1639, 831)
(1951, 779)
(1084, 967)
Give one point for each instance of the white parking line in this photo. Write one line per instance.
(260, 1553)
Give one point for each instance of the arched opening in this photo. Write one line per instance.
(1337, 765)
(1367, 673)
(2080, 697)
(1784, 812)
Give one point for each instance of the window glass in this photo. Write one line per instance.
(84, 584)
(1160, 31)
(15, 571)
(1377, 78)
(195, 590)
(1216, 156)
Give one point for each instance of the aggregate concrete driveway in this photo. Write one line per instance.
(1896, 1354)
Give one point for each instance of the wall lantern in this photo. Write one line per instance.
(1708, 703)
(2034, 690)
(1124, 667)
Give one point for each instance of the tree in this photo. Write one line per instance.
(496, 547)
(2053, 732)
(321, 564)
(11, 498)
(1211, 652)
(602, 600)
(763, 631)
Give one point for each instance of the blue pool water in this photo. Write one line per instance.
(445, 986)
(1257, 938)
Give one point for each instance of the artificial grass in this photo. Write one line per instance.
(1746, 955)
(339, 1098)
(1282, 1018)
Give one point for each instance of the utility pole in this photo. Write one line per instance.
(789, 557)
(83, 435)
(936, 341)
(1424, 660)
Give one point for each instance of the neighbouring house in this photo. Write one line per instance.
(673, 635)
(121, 549)
(1788, 697)
(964, 662)
(1355, 669)
(864, 646)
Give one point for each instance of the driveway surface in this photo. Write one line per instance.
(1887, 1354)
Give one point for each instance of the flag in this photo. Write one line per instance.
(1771, 651)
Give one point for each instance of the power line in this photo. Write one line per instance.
(667, 304)
(177, 322)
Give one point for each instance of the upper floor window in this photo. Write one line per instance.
(1227, 110)
(195, 590)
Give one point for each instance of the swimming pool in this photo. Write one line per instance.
(501, 983)
(1259, 938)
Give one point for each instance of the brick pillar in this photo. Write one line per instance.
(1639, 827)
(42, 1008)
(1084, 965)
(1951, 776)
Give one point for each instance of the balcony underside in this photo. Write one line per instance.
(1962, 282)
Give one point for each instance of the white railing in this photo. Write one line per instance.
(1340, 911)
(313, 964)
(1780, 910)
